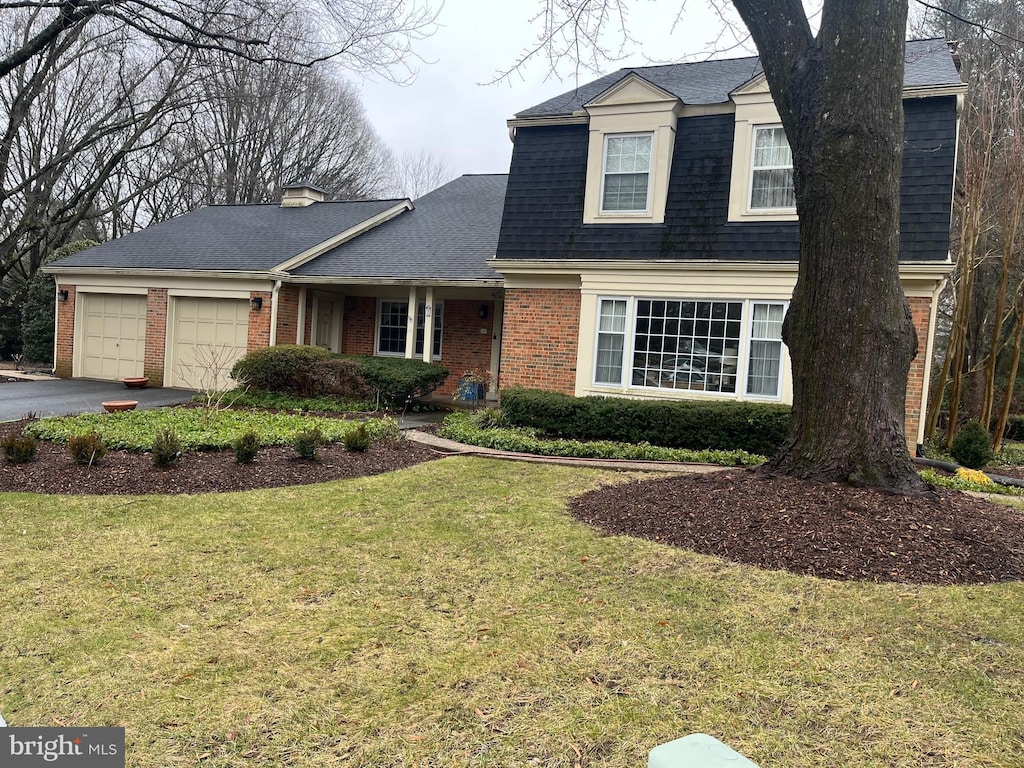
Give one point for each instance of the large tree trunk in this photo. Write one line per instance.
(849, 328)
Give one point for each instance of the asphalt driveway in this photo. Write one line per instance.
(59, 397)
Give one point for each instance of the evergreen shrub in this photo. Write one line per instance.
(19, 449)
(87, 449)
(357, 440)
(758, 428)
(246, 446)
(166, 448)
(307, 443)
(289, 368)
(971, 446)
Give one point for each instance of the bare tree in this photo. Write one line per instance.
(363, 35)
(416, 173)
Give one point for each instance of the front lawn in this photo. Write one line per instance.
(453, 614)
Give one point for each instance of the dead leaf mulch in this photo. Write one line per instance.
(828, 530)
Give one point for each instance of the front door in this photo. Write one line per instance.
(326, 332)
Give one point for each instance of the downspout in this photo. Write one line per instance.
(300, 332)
(56, 318)
(273, 313)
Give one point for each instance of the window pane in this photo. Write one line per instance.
(676, 352)
(772, 177)
(393, 318)
(765, 364)
(627, 165)
(421, 309)
(611, 341)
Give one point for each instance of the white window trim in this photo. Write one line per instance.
(405, 300)
(750, 210)
(646, 212)
(753, 110)
(627, 345)
(742, 362)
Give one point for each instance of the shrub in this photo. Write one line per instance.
(246, 446)
(307, 442)
(166, 448)
(758, 428)
(87, 449)
(357, 439)
(971, 446)
(19, 449)
(342, 377)
(290, 368)
(397, 380)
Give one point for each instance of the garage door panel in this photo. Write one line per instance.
(113, 336)
(209, 336)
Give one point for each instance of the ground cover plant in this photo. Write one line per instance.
(200, 428)
(284, 402)
(480, 429)
(456, 614)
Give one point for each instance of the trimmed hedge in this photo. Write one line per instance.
(758, 428)
(314, 371)
(287, 368)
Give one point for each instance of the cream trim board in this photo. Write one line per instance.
(631, 90)
(123, 289)
(205, 293)
(199, 285)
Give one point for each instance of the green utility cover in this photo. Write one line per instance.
(698, 750)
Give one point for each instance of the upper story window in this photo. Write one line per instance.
(771, 179)
(627, 171)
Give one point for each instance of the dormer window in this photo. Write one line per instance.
(627, 171)
(771, 183)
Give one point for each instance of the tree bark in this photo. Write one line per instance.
(849, 329)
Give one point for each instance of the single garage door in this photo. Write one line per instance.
(209, 335)
(113, 335)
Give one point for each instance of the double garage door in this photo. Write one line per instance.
(205, 338)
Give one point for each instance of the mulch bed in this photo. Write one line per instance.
(820, 529)
(125, 472)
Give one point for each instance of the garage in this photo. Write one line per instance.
(207, 337)
(113, 341)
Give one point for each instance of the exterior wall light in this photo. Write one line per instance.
(483, 311)
(62, 295)
(257, 303)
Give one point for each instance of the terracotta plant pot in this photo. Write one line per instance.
(136, 382)
(113, 406)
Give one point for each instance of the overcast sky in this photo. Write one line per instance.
(448, 112)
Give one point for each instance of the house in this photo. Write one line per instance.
(644, 244)
(649, 239)
(180, 301)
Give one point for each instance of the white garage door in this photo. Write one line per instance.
(113, 340)
(209, 335)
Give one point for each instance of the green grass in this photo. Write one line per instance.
(453, 614)
(199, 428)
(466, 428)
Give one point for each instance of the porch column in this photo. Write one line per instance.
(496, 323)
(428, 325)
(410, 325)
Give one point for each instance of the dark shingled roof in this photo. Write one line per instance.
(450, 235)
(928, 62)
(229, 237)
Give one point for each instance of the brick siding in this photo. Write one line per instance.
(287, 313)
(920, 310)
(259, 322)
(359, 325)
(541, 331)
(62, 365)
(156, 336)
